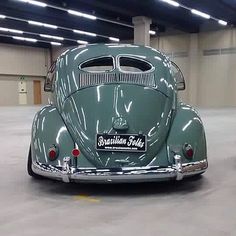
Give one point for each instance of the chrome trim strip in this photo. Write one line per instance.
(126, 174)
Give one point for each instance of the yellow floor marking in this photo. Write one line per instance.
(85, 198)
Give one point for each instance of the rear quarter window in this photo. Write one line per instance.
(134, 65)
(100, 64)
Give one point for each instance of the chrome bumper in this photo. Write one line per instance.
(126, 174)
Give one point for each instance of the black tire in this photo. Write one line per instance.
(29, 167)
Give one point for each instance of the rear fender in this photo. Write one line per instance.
(187, 127)
(49, 129)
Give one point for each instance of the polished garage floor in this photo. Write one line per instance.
(205, 206)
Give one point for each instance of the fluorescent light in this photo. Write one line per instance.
(25, 39)
(36, 3)
(152, 32)
(114, 39)
(51, 37)
(2, 16)
(82, 42)
(42, 24)
(56, 43)
(18, 38)
(77, 13)
(85, 33)
(58, 38)
(3, 29)
(222, 22)
(50, 26)
(202, 14)
(16, 31)
(35, 23)
(46, 36)
(172, 3)
(11, 30)
(31, 40)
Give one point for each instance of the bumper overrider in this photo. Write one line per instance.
(124, 174)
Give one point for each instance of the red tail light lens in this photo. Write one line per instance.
(188, 151)
(52, 153)
(75, 152)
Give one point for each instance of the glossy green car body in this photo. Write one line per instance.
(116, 102)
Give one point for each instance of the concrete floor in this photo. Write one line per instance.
(204, 206)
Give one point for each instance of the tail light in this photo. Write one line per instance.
(188, 151)
(75, 152)
(52, 153)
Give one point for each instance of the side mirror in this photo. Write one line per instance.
(178, 76)
(49, 80)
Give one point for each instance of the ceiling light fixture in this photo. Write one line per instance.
(222, 22)
(50, 26)
(84, 32)
(35, 23)
(56, 43)
(51, 37)
(25, 39)
(41, 35)
(42, 24)
(75, 12)
(11, 30)
(82, 42)
(3, 29)
(152, 32)
(114, 39)
(194, 11)
(38, 40)
(172, 3)
(199, 13)
(16, 31)
(33, 2)
(81, 14)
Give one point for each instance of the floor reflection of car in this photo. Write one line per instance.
(115, 116)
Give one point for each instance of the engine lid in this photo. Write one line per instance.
(118, 110)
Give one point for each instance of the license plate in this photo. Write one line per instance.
(121, 142)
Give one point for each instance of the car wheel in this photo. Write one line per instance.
(29, 167)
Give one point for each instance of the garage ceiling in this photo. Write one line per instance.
(114, 19)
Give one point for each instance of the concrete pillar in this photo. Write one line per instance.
(194, 80)
(141, 30)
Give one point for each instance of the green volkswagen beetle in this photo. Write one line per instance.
(115, 116)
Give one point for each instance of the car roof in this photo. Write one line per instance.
(88, 51)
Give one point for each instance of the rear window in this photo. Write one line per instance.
(101, 64)
(130, 64)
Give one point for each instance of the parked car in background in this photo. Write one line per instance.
(115, 116)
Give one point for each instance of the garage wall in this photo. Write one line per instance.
(208, 62)
(8, 90)
(218, 69)
(17, 61)
(9, 95)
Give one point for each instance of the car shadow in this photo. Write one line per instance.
(185, 186)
